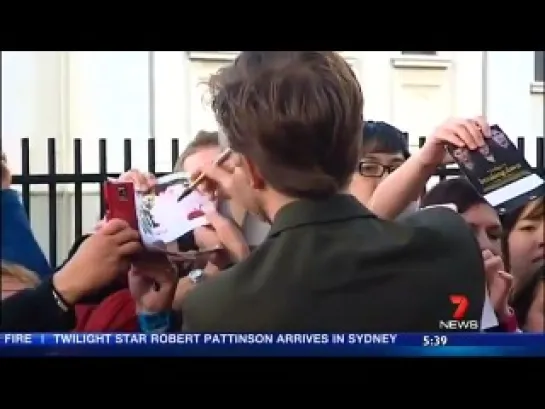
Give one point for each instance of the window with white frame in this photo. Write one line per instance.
(419, 52)
(539, 57)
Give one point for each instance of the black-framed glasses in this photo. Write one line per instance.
(375, 169)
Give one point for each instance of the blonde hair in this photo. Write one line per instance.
(20, 273)
(203, 139)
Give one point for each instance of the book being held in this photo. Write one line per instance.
(499, 172)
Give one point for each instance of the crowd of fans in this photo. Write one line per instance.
(356, 242)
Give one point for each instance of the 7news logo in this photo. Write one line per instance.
(457, 322)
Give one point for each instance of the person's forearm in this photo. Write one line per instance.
(68, 288)
(184, 286)
(402, 187)
(508, 320)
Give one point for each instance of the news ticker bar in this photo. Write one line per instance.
(266, 344)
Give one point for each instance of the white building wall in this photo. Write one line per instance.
(513, 99)
(32, 85)
(137, 95)
(34, 106)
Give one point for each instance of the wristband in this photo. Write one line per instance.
(154, 322)
(196, 276)
(59, 300)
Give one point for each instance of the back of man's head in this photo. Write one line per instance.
(296, 115)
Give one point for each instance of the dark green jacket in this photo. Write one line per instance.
(332, 266)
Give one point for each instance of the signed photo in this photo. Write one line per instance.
(499, 172)
(162, 218)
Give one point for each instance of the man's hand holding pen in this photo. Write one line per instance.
(224, 160)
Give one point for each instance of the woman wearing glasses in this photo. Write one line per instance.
(384, 151)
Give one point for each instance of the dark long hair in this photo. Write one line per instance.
(510, 219)
(457, 191)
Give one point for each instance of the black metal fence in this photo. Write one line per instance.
(52, 179)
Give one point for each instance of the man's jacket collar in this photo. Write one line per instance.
(307, 212)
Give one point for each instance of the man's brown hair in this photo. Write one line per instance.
(203, 139)
(297, 114)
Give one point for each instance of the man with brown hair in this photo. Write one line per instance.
(293, 120)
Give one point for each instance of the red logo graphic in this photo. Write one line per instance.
(461, 303)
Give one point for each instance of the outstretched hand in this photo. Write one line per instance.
(152, 282)
(499, 282)
(100, 260)
(460, 132)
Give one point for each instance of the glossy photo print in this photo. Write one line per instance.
(499, 172)
(162, 218)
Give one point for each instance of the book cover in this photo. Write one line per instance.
(499, 172)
